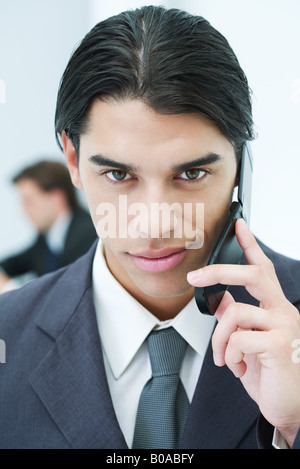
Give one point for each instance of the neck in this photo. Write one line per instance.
(163, 308)
(63, 212)
(60, 214)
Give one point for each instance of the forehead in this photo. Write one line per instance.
(130, 129)
(29, 186)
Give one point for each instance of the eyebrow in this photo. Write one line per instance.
(101, 160)
(204, 160)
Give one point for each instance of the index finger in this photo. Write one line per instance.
(248, 243)
(253, 252)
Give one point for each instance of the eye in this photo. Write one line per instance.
(192, 174)
(118, 175)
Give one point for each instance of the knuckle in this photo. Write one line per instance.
(257, 271)
(217, 270)
(291, 322)
(215, 340)
(269, 265)
(263, 270)
(232, 309)
(234, 339)
(295, 313)
(282, 339)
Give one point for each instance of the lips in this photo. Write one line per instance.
(158, 261)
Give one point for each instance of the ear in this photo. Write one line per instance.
(59, 195)
(71, 159)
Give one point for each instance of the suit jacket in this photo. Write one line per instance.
(53, 387)
(80, 236)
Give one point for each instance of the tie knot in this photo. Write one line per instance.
(166, 350)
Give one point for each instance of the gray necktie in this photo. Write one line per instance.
(163, 404)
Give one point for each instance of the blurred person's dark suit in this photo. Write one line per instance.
(40, 260)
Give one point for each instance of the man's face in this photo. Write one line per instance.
(133, 154)
(39, 206)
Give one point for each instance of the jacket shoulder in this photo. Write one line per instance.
(280, 259)
(288, 273)
(82, 219)
(25, 302)
(48, 294)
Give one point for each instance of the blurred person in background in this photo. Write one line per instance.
(64, 229)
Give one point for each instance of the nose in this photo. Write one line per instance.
(160, 215)
(156, 216)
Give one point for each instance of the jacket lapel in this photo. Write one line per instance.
(70, 380)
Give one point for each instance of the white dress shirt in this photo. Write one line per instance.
(57, 233)
(124, 325)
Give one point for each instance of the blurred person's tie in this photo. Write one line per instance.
(163, 404)
(51, 262)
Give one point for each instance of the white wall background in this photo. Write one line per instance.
(37, 38)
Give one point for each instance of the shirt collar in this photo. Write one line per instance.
(117, 311)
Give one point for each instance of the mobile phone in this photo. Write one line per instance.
(227, 249)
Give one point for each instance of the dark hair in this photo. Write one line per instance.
(49, 175)
(171, 60)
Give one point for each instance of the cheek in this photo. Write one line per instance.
(36, 209)
(216, 212)
(91, 190)
(103, 206)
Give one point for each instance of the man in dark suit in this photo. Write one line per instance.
(153, 108)
(64, 230)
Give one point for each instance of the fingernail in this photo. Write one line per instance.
(242, 221)
(218, 361)
(192, 276)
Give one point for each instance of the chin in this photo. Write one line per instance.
(160, 289)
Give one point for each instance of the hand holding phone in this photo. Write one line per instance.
(227, 249)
